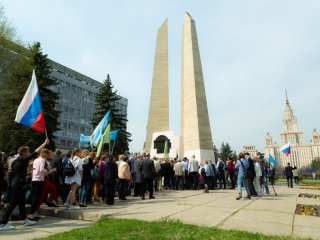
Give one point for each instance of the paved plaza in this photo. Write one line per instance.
(269, 215)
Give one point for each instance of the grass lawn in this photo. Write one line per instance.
(110, 228)
(311, 183)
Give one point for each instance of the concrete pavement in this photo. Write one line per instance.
(269, 215)
(47, 226)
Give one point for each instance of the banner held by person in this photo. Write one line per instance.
(105, 138)
(84, 139)
(272, 160)
(97, 133)
(29, 112)
(113, 137)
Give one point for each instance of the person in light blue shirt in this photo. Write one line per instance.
(186, 183)
(242, 166)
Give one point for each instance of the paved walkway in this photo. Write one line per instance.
(269, 215)
(47, 226)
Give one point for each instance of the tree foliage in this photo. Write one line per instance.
(7, 31)
(225, 151)
(14, 86)
(216, 152)
(315, 164)
(106, 100)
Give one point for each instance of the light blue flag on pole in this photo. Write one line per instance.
(272, 160)
(113, 135)
(84, 139)
(98, 131)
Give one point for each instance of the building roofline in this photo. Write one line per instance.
(55, 66)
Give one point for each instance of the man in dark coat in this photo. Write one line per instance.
(251, 175)
(110, 178)
(148, 174)
(289, 174)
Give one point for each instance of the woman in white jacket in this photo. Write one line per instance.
(258, 176)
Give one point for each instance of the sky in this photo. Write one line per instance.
(251, 51)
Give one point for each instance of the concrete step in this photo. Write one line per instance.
(76, 214)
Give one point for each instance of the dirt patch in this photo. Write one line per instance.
(307, 195)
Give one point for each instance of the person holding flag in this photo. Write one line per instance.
(288, 172)
(17, 181)
(29, 114)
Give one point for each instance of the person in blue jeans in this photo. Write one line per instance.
(242, 166)
(87, 164)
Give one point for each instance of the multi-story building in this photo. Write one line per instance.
(301, 154)
(251, 150)
(76, 101)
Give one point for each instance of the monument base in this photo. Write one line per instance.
(174, 141)
(200, 154)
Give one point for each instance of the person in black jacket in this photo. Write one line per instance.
(17, 182)
(289, 174)
(87, 165)
(251, 175)
(148, 174)
(166, 172)
(110, 178)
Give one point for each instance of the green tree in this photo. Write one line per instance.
(234, 155)
(225, 151)
(12, 134)
(7, 31)
(315, 164)
(216, 152)
(106, 100)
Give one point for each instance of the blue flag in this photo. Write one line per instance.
(272, 160)
(98, 131)
(113, 135)
(84, 139)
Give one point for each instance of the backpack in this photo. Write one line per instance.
(221, 166)
(94, 173)
(203, 172)
(69, 169)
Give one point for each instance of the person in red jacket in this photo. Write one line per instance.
(231, 171)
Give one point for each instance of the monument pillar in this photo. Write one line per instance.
(195, 131)
(158, 118)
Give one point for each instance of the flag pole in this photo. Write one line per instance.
(114, 143)
(45, 131)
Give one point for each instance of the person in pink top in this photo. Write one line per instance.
(38, 174)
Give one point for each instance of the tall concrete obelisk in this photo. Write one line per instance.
(195, 131)
(158, 118)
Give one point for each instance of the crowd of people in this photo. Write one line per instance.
(79, 177)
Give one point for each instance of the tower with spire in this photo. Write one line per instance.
(290, 131)
(301, 154)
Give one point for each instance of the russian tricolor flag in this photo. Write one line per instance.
(29, 112)
(286, 149)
